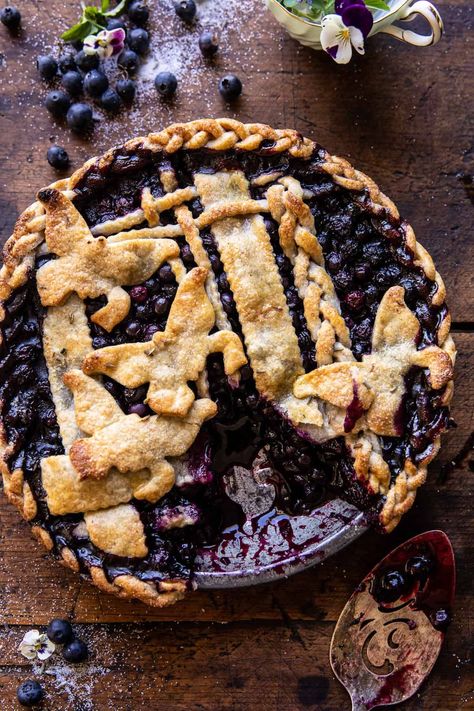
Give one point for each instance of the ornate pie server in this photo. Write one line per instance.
(390, 632)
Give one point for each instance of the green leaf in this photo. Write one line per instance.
(77, 32)
(104, 5)
(117, 10)
(377, 5)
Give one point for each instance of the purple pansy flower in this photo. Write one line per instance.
(106, 43)
(354, 13)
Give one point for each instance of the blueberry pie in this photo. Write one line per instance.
(214, 303)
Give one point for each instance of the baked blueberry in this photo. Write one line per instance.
(390, 586)
(126, 89)
(208, 43)
(95, 83)
(87, 62)
(419, 567)
(129, 60)
(10, 16)
(230, 87)
(72, 82)
(79, 117)
(185, 9)
(138, 12)
(166, 84)
(440, 619)
(75, 651)
(29, 693)
(59, 631)
(57, 102)
(110, 101)
(47, 66)
(138, 40)
(57, 157)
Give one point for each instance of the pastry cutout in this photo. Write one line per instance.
(118, 530)
(371, 391)
(91, 266)
(175, 356)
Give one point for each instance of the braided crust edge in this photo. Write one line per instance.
(218, 135)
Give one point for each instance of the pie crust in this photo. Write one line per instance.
(252, 199)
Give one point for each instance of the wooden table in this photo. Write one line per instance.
(403, 115)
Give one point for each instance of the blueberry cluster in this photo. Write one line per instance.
(395, 583)
(30, 692)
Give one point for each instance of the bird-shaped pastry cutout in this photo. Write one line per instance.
(91, 266)
(126, 455)
(369, 393)
(174, 356)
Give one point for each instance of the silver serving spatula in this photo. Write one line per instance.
(390, 633)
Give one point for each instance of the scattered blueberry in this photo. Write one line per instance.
(95, 83)
(138, 40)
(29, 693)
(75, 651)
(57, 102)
(390, 586)
(79, 117)
(67, 62)
(126, 89)
(59, 631)
(440, 619)
(208, 43)
(129, 60)
(72, 82)
(110, 101)
(166, 83)
(59, 159)
(230, 87)
(186, 10)
(10, 17)
(138, 12)
(86, 62)
(115, 23)
(47, 66)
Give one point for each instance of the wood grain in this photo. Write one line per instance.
(404, 116)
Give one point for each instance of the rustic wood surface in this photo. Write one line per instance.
(405, 116)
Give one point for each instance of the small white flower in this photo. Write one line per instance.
(36, 645)
(337, 39)
(106, 43)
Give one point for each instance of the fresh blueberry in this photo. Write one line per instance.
(59, 631)
(57, 157)
(186, 10)
(166, 83)
(115, 23)
(79, 117)
(47, 66)
(138, 12)
(75, 651)
(72, 82)
(208, 43)
(10, 17)
(126, 89)
(138, 40)
(67, 62)
(440, 619)
(57, 103)
(29, 693)
(230, 87)
(110, 101)
(129, 60)
(86, 62)
(95, 83)
(390, 586)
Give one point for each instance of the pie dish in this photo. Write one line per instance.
(211, 302)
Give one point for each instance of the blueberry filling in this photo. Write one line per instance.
(364, 255)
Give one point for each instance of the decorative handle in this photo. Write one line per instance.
(431, 15)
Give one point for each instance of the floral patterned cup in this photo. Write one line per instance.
(309, 33)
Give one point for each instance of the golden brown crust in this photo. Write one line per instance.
(327, 327)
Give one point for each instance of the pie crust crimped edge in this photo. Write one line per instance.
(218, 135)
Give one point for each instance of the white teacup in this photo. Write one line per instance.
(308, 32)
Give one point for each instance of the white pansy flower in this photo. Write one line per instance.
(338, 40)
(36, 645)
